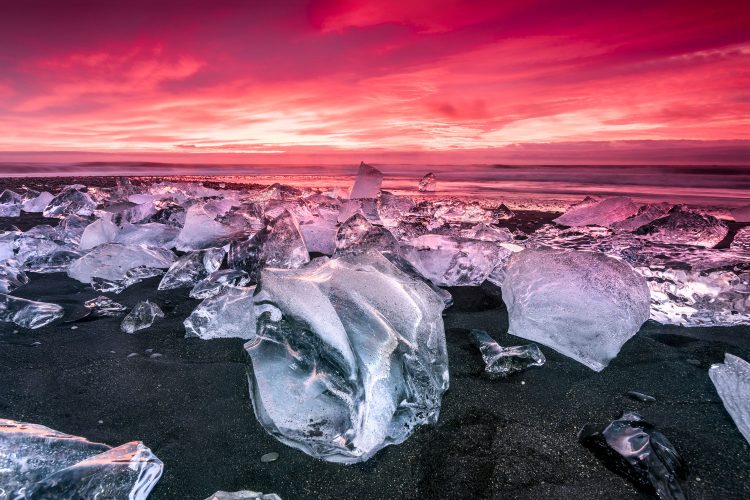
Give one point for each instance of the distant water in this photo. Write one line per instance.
(717, 186)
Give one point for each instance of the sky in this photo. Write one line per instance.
(490, 81)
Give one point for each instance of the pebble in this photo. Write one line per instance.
(132, 354)
(74, 327)
(693, 362)
(155, 355)
(15, 331)
(35, 344)
(269, 457)
(100, 422)
(639, 396)
(149, 351)
(112, 352)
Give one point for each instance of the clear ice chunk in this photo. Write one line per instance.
(132, 276)
(38, 203)
(367, 184)
(201, 230)
(359, 235)
(503, 361)
(141, 317)
(732, 382)
(741, 241)
(11, 276)
(104, 306)
(28, 313)
(112, 261)
(584, 305)
(214, 283)
(39, 462)
(70, 201)
(683, 226)
(228, 314)
(56, 261)
(633, 448)
(486, 232)
(427, 184)
(10, 204)
(646, 214)
(453, 261)
(243, 495)
(97, 233)
(349, 356)
(152, 234)
(599, 213)
(320, 235)
(192, 267)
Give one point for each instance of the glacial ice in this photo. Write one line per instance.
(645, 215)
(683, 226)
(427, 184)
(503, 361)
(97, 233)
(349, 356)
(633, 448)
(192, 267)
(243, 495)
(141, 316)
(111, 261)
(11, 276)
(367, 184)
(28, 313)
(104, 306)
(358, 235)
(70, 201)
(10, 204)
(214, 283)
(152, 234)
(599, 213)
(38, 462)
(131, 277)
(228, 314)
(38, 203)
(584, 305)
(201, 230)
(732, 382)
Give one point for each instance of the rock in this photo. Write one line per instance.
(269, 457)
(639, 396)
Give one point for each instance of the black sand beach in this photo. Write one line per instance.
(514, 438)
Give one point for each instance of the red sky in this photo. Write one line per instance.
(426, 80)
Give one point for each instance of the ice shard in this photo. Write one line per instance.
(349, 356)
(70, 201)
(10, 204)
(104, 306)
(228, 314)
(141, 316)
(646, 214)
(28, 313)
(732, 382)
(38, 203)
(358, 235)
(683, 226)
(367, 184)
(427, 184)
(39, 462)
(633, 448)
(201, 230)
(584, 305)
(97, 233)
(11, 276)
(112, 261)
(599, 213)
(214, 283)
(192, 267)
(503, 361)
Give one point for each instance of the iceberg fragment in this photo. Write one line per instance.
(358, 235)
(646, 214)
(349, 356)
(201, 230)
(10, 204)
(214, 283)
(367, 184)
(38, 203)
(152, 234)
(132, 276)
(599, 213)
(732, 382)
(427, 184)
(70, 201)
(584, 305)
(112, 261)
(141, 316)
(683, 226)
(97, 233)
(503, 361)
(11, 276)
(28, 313)
(192, 267)
(104, 306)
(228, 314)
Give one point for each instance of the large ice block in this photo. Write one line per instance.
(192, 267)
(732, 382)
(349, 356)
(584, 305)
(38, 462)
(367, 184)
(111, 261)
(28, 313)
(684, 226)
(599, 213)
(228, 314)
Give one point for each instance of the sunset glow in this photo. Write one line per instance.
(391, 77)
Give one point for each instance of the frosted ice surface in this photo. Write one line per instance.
(732, 382)
(97, 233)
(39, 462)
(70, 201)
(683, 226)
(229, 314)
(584, 305)
(599, 213)
(358, 235)
(38, 203)
(453, 261)
(217, 281)
(428, 183)
(367, 184)
(28, 313)
(141, 316)
(243, 495)
(646, 214)
(503, 361)
(201, 230)
(10, 204)
(349, 356)
(192, 267)
(111, 261)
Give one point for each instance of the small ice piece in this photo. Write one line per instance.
(104, 306)
(427, 184)
(732, 382)
(39, 462)
(367, 184)
(683, 226)
(243, 495)
(201, 230)
(229, 314)
(70, 201)
(269, 457)
(217, 281)
(132, 276)
(97, 233)
(646, 214)
(503, 361)
(11, 276)
(28, 313)
(141, 316)
(453, 261)
(349, 356)
(741, 214)
(10, 204)
(599, 213)
(191, 268)
(38, 203)
(639, 396)
(112, 261)
(584, 305)
(633, 448)
(358, 235)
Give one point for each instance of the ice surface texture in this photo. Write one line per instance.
(685, 227)
(349, 356)
(503, 361)
(28, 313)
(631, 447)
(428, 183)
(243, 495)
(367, 184)
(582, 304)
(228, 314)
(599, 213)
(112, 261)
(732, 382)
(141, 316)
(191, 268)
(37, 462)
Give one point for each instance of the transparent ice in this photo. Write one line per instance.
(228, 314)
(683, 226)
(97, 233)
(367, 184)
(10, 204)
(28, 313)
(214, 283)
(112, 261)
(599, 213)
(141, 316)
(732, 382)
(427, 184)
(131, 277)
(38, 203)
(70, 201)
(104, 306)
(358, 235)
(192, 267)
(503, 361)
